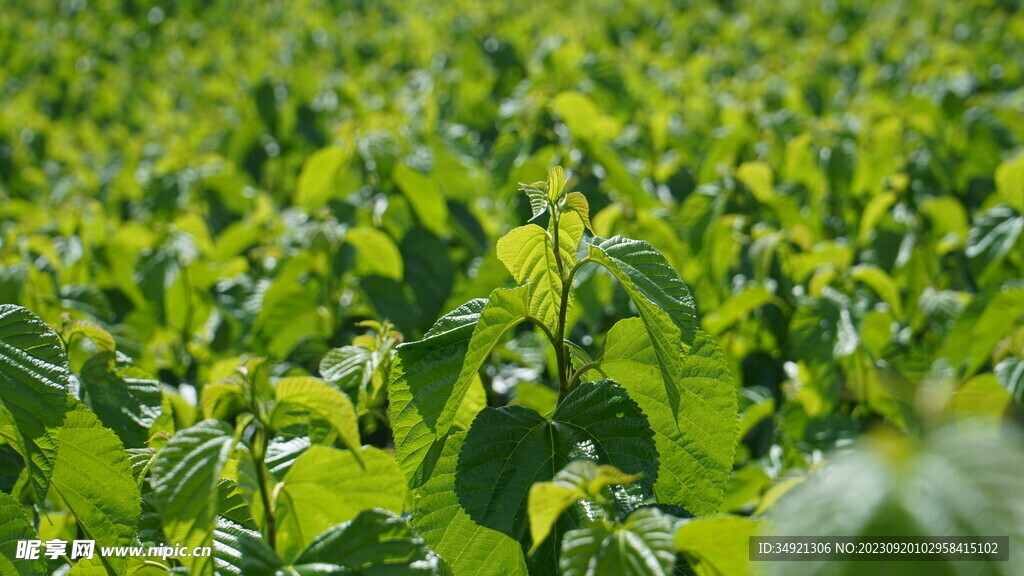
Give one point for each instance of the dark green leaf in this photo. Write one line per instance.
(33, 386)
(124, 397)
(508, 449)
(642, 546)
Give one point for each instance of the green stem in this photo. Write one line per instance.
(260, 443)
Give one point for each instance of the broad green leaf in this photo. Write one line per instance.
(540, 398)
(473, 402)
(882, 284)
(642, 546)
(981, 397)
(347, 367)
(422, 377)
(698, 439)
(580, 479)
(223, 400)
(376, 253)
(241, 551)
(102, 339)
(125, 398)
(15, 526)
(318, 181)
(508, 449)
(92, 475)
(528, 254)
(578, 202)
(322, 400)
(717, 545)
(1010, 373)
(33, 387)
(994, 234)
(468, 548)
(973, 339)
(1010, 182)
(505, 309)
(737, 308)
(584, 118)
(425, 197)
(308, 501)
(374, 543)
(661, 297)
(555, 183)
(757, 176)
(184, 481)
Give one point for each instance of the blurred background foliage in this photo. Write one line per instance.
(840, 183)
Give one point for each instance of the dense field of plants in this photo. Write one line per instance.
(474, 288)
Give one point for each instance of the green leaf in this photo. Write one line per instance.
(124, 397)
(994, 234)
(322, 400)
(642, 546)
(102, 339)
(1010, 373)
(347, 367)
(466, 547)
(376, 253)
(184, 481)
(737, 308)
(240, 551)
(508, 449)
(580, 479)
(538, 196)
(33, 387)
(308, 499)
(422, 377)
(1010, 182)
(505, 309)
(661, 297)
(697, 437)
(15, 526)
(318, 181)
(882, 284)
(718, 545)
(374, 543)
(223, 400)
(528, 254)
(425, 197)
(555, 183)
(578, 202)
(92, 474)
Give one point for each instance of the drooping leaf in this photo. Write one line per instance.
(92, 474)
(223, 400)
(184, 481)
(33, 386)
(309, 502)
(125, 398)
(1010, 373)
(661, 297)
(642, 546)
(15, 526)
(468, 548)
(240, 551)
(325, 402)
(578, 202)
(698, 439)
(422, 377)
(509, 449)
(994, 234)
(717, 545)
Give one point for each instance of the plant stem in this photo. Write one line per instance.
(563, 307)
(260, 446)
